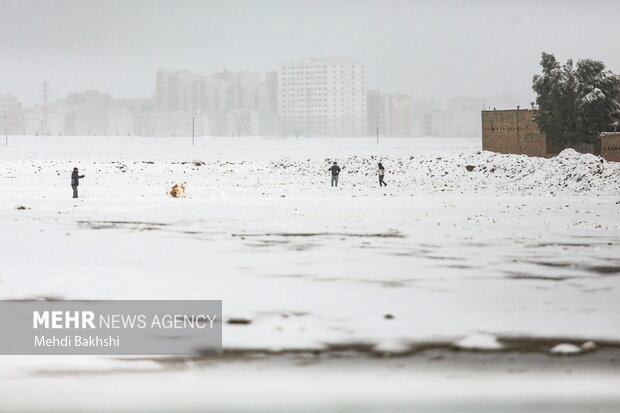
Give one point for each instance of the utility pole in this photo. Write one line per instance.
(193, 123)
(44, 96)
(377, 129)
(6, 132)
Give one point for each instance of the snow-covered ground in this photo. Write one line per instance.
(463, 248)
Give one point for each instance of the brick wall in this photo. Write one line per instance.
(610, 146)
(512, 131)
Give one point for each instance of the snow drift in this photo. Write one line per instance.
(569, 172)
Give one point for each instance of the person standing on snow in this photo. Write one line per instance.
(75, 181)
(381, 175)
(335, 170)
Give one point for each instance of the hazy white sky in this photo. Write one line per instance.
(440, 48)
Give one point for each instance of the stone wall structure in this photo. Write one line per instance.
(512, 131)
(610, 146)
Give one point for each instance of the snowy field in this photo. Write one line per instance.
(501, 256)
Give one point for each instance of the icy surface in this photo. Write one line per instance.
(516, 247)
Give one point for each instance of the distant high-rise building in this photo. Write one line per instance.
(322, 97)
(236, 98)
(268, 105)
(391, 113)
(464, 112)
(178, 90)
(399, 115)
(422, 111)
(226, 103)
(11, 116)
(48, 120)
(376, 113)
(237, 91)
(87, 113)
(180, 105)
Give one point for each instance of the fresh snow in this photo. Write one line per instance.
(392, 347)
(479, 341)
(518, 247)
(565, 348)
(593, 95)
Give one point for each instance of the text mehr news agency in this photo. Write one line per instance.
(57, 320)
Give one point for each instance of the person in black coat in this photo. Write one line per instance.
(381, 175)
(75, 181)
(335, 170)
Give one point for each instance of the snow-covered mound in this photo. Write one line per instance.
(148, 166)
(570, 172)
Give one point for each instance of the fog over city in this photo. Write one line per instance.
(429, 49)
(283, 68)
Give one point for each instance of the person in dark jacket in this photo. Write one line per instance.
(381, 175)
(75, 181)
(335, 170)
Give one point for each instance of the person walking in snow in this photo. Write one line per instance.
(75, 181)
(381, 175)
(335, 170)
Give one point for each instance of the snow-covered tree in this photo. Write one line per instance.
(575, 102)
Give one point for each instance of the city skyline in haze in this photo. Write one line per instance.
(438, 50)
